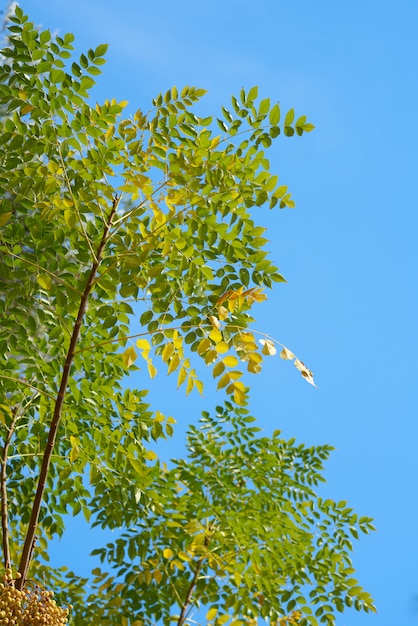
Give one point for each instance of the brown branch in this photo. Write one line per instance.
(192, 587)
(33, 522)
(3, 487)
(190, 591)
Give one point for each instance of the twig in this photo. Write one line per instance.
(3, 488)
(192, 587)
(56, 418)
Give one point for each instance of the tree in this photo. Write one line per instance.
(127, 237)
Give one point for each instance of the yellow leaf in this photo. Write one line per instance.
(190, 385)
(159, 417)
(222, 347)
(182, 376)
(268, 347)
(199, 386)
(158, 576)
(218, 369)
(210, 357)
(253, 367)
(287, 355)
(247, 337)
(230, 361)
(74, 449)
(4, 218)
(235, 375)
(129, 356)
(215, 335)
(203, 346)
(224, 381)
(143, 344)
(152, 370)
(26, 109)
(167, 553)
(184, 556)
(44, 281)
(150, 455)
(167, 351)
(211, 614)
(174, 363)
(239, 393)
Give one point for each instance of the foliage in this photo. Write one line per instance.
(237, 528)
(127, 236)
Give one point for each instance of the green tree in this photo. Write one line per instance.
(126, 238)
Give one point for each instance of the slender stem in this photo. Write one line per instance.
(3, 488)
(190, 592)
(33, 522)
(192, 587)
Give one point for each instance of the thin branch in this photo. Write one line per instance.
(3, 488)
(25, 383)
(56, 418)
(39, 267)
(190, 592)
(192, 587)
(86, 237)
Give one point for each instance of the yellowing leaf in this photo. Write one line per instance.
(152, 370)
(268, 347)
(158, 576)
(203, 346)
(4, 218)
(247, 337)
(224, 381)
(218, 369)
(167, 553)
(182, 376)
(174, 363)
(74, 449)
(222, 347)
(167, 351)
(215, 335)
(143, 344)
(150, 455)
(214, 321)
(211, 614)
(70, 218)
(199, 386)
(239, 393)
(44, 281)
(223, 619)
(306, 373)
(129, 356)
(287, 355)
(230, 361)
(210, 357)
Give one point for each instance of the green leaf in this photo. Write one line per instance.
(290, 116)
(274, 115)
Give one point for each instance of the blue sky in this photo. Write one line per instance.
(348, 250)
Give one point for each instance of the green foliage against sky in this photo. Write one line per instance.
(137, 237)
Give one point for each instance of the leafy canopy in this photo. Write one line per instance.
(127, 236)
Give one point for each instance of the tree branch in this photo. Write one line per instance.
(192, 587)
(33, 522)
(3, 488)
